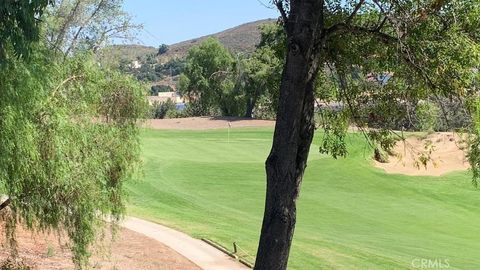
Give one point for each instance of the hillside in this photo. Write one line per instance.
(239, 39)
(130, 52)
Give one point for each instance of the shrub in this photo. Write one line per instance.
(380, 155)
(175, 114)
(162, 49)
(171, 68)
(161, 109)
(194, 108)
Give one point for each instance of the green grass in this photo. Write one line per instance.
(350, 214)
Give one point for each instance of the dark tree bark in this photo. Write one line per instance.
(5, 204)
(293, 132)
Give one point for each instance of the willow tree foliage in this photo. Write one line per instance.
(68, 136)
(69, 140)
(336, 51)
(19, 24)
(208, 80)
(260, 75)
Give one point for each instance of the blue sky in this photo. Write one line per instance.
(171, 21)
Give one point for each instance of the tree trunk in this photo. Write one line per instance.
(293, 134)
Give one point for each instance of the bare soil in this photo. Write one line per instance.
(200, 123)
(445, 149)
(130, 250)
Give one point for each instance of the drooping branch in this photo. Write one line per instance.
(381, 24)
(342, 86)
(407, 57)
(72, 78)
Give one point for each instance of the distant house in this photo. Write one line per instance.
(135, 64)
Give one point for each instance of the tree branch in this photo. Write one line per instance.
(58, 42)
(5, 204)
(80, 29)
(265, 5)
(283, 13)
(355, 11)
(376, 31)
(381, 24)
(72, 78)
(348, 21)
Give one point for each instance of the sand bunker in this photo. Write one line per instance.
(447, 155)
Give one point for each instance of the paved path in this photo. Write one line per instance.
(197, 251)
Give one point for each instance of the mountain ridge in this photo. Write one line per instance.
(239, 39)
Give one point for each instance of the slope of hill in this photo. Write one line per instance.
(130, 52)
(239, 39)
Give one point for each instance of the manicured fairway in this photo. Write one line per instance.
(350, 215)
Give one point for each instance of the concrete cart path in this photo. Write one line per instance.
(197, 251)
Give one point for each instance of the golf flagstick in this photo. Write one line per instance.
(229, 126)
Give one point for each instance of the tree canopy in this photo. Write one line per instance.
(72, 25)
(342, 51)
(208, 79)
(220, 83)
(68, 134)
(19, 25)
(163, 48)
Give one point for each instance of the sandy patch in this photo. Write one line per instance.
(131, 250)
(199, 123)
(447, 155)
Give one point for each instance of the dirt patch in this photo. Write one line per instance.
(199, 123)
(447, 154)
(129, 251)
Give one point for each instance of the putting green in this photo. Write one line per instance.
(350, 214)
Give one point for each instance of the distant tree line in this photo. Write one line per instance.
(219, 83)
